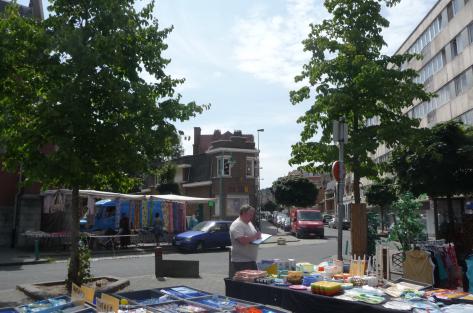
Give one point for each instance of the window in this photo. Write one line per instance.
(453, 46)
(250, 167)
(460, 84)
(470, 32)
(223, 162)
(450, 13)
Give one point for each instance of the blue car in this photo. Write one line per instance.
(208, 234)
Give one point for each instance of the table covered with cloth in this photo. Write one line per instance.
(297, 301)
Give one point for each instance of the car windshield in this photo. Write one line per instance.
(309, 215)
(203, 226)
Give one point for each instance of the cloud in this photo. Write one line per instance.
(270, 46)
(403, 19)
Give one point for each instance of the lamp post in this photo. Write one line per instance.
(258, 206)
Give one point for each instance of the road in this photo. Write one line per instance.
(140, 269)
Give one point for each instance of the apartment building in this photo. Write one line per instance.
(444, 38)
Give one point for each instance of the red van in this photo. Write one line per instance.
(307, 222)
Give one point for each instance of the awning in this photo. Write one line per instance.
(113, 195)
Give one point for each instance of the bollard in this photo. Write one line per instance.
(158, 253)
(36, 249)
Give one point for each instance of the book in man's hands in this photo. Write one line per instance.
(263, 238)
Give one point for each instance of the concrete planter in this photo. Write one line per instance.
(45, 290)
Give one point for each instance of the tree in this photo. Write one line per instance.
(407, 226)
(270, 206)
(165, 177)
(88, 109)
(294, 190)
(351, 79)
(381, 193)
(440, 163)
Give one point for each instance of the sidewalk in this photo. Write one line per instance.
(26, 256)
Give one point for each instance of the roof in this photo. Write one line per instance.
(199, 166)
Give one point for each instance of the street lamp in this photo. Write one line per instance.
(258, 206)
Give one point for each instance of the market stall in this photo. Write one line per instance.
(303, 287)
(176, 299)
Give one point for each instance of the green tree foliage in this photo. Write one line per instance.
(382, 193)
(373, 223)
(165, 178)
(349, 78)
(294, 190)
(440, 163)
(407, 226)
(76, 111)
(270, 206)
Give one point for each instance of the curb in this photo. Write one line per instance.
(32, 290)
(47, 258)
(19, 263)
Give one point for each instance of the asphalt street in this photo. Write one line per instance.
(140, 269)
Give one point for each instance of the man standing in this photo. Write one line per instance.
(242, 233)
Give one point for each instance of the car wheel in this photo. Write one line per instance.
(199, 247)
(298, 235)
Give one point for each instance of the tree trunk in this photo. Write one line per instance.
(436, 219)
(382, 218)
(73, 271)
(451, 219)
(356, 165)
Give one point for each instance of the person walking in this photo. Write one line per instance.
(157, 228)
(242, 233)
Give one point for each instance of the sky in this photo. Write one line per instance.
(242, 57)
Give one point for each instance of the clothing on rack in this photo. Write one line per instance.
(418, 266)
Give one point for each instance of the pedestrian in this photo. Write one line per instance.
(124, 230)
(242, 233)
(157, 228)
(193, 221)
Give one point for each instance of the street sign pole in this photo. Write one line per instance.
(340, 136)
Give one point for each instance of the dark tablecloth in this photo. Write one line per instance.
(297, 301)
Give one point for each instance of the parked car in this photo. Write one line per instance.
(327, 218)
(205, 235)
(333, 223)
(286, 226)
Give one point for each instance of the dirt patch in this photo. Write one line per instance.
(57, 288)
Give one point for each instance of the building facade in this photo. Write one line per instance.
(444, 38)
(223, 166)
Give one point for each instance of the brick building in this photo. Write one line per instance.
(223, 166)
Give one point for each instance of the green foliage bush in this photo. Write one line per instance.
(407, 225)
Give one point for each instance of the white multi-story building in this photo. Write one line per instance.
(445, 40)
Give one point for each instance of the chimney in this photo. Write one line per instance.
(37, 8)
(196, 145)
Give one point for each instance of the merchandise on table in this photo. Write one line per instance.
(146, 297)
(183, 292)
(458, 308)
(294, 277)
(326, 288)
(222, 303)
(249, 275)
(298, 287)
(180, 307)
(8, 310)
(398, 305)
(46, 306)
(136, 310)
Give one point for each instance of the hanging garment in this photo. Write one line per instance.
(418, 267)
(469, 272)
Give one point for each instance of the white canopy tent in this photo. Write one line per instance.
(113, 195)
